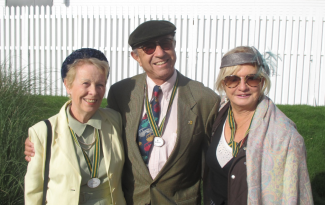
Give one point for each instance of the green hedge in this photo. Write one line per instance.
(18, 111)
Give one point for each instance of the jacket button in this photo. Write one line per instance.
(244, 148)
(153, 185)
(233, 176)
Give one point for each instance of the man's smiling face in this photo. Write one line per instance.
(159, 65)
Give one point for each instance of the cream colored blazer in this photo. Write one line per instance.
(64, 176)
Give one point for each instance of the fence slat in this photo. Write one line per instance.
(24, 43)
(12, 40)
(2, 36)
(60, 14)
(307, 89)
(125, 45)
(18, 41)
(212, 61)
(119, 45)
(321, 95)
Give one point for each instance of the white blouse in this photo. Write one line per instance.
(224, 151)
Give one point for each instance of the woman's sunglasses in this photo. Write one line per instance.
(233, 81)
(150, 47)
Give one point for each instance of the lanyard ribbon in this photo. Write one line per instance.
(158, 130)
(235, 146)
(93, 170)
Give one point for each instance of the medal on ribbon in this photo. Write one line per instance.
(158, 141)
(94, 165)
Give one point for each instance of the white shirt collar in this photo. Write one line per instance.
(166, 87)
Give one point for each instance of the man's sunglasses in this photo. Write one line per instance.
(233, 81)
(150, 47)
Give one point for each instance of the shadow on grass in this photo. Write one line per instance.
(318, 187)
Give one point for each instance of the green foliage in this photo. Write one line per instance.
(310, 122)
(18, 111)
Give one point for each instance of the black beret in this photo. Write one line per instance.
(149, 30)
(80, 54)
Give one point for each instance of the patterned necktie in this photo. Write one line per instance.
(145, 133)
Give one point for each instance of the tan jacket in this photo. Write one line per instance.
(178, 182)
(64, 176)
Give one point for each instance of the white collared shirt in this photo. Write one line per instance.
(159, 155)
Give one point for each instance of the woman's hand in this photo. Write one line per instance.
(29, 150)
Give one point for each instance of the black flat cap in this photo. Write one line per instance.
(80, 54)
(149, 30)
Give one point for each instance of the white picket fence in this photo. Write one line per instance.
(37, 40)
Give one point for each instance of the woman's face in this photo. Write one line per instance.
(244, 96)
(87, 91)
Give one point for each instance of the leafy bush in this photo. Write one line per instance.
(18, 111)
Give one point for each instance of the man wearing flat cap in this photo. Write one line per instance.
(167, 119)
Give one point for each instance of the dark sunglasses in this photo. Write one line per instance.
(150, 47)
(233, 81)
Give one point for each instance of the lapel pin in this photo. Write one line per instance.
(190, 122)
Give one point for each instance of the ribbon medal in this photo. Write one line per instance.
(92, 166)
(158, 141)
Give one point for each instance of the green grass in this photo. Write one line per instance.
(310, 122)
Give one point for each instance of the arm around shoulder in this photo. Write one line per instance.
(34, 176)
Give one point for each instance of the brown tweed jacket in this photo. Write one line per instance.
(179, 180)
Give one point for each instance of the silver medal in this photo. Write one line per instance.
(93, 182)
(158, 141)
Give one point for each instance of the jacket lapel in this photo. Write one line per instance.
(106, 140)
(186, 120)
(64, 140)
(132, 120)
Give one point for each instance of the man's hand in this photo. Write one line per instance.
(29, 150)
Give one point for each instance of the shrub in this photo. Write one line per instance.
(18, 111)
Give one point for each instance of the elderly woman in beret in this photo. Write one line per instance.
(256, 155)
(87, 154)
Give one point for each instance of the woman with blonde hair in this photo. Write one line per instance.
(87, 154)
(256, 155)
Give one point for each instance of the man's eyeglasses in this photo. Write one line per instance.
(150, 47)
(233, 81)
